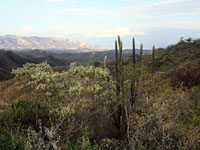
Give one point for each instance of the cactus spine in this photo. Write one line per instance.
(105, 62)
(153, 61)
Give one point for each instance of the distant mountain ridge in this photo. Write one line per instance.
(14, 42)
(81, 58)
(10, 60)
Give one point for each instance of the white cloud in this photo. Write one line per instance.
(128, 0)
(25, 30)
(58, 30)
(166, 2)
(63, 1)
(30, 17)
(102, 33)
(162, 8)
(111, 32)
(191, 25)
(54, 0)
(63, 31)
(154, 9)
(81, 11)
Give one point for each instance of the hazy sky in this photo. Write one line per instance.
(152, 22)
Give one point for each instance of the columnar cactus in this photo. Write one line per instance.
(119, 112)
(105, 62)
(134, 51)
(117, 69)
(121, 66)
(121, 54)
(141, 54)
(120, 50)
(132, 100)
(153, 61)
(119, 87)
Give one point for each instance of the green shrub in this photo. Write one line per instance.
(187, 75)
(96, 64)
(24, 113)
(11, 140)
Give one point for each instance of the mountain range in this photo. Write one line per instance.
(15, 42)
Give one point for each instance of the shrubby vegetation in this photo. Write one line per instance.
(77, 107)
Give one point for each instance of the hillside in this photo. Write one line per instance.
(176, 55)
(9, 61)
(117, 107)
(180, 62)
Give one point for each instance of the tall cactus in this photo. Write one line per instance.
(120, 50)
(132, 100)
(121, 54)
(105, 62)
(141, 54)
(153, 61)
(134, 51)
(119, 40)
(119, 87)
(119, 112)
(121, 65)
(117, 69)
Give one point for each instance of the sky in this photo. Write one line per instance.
(151, 22)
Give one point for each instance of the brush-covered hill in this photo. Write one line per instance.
(9, 61)
(180, 63)
(51, 60)
(147, 111)
(82, 58)
(176, 55)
